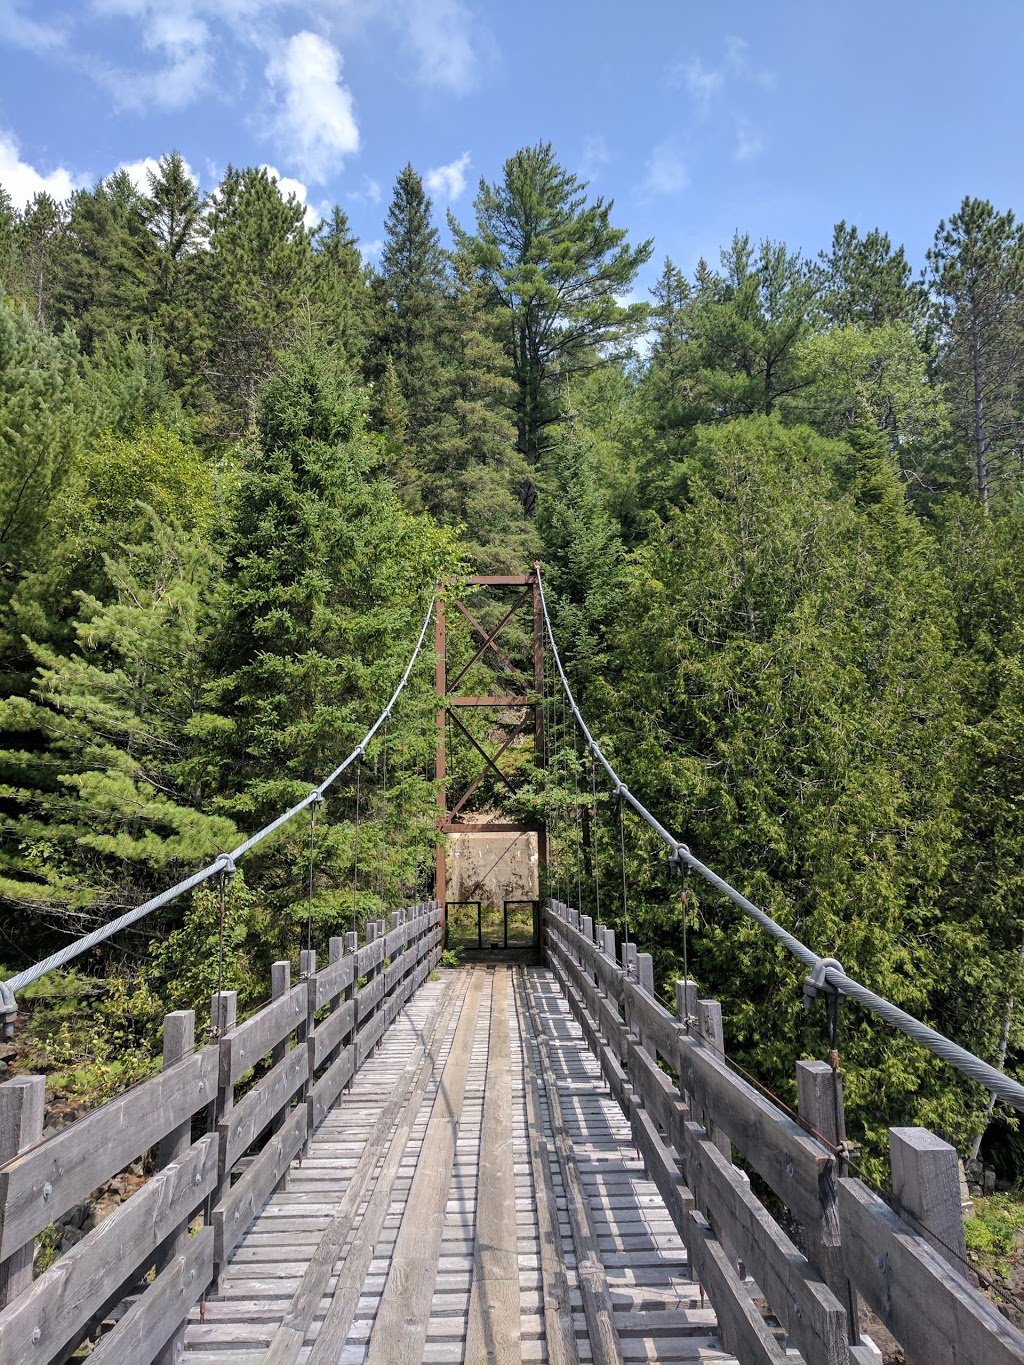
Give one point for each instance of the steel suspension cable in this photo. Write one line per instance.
(824, 971)
(225, 862)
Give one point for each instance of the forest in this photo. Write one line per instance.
(780, 511)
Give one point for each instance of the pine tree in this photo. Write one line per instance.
(977, 269)
(341, 297)
(172, 212)
(42, 245)
(555, 269)
(410, 317)
(864, 282)
(258, 278)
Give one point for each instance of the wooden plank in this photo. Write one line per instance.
(813, 1316)
(369, 997)
(793, 1164)
(53, 1313)
(255, 1111)
(244, 1200)
(404, 1106)
(369, 955)
(400, 1328)
(926, 1186)
(333, 979)
(932, 1311)
(149, 1323)
(743, 1330)
(493, 1331)
(661, 1162)
(253, 1039)
(559, 1336)
(22, 1109)
(330, 1032)
(329, 1086)
(656, 1091)
(597, 1303)
(43, 1183)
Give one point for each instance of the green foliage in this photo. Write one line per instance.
(994, 1234)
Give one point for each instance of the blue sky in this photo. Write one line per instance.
(697, 117)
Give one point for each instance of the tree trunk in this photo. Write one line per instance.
(980, 440)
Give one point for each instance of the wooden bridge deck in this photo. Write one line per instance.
(475, 1196)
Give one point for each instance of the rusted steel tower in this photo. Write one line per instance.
(525, 592)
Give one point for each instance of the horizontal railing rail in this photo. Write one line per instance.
(686, 1125)
(258, 1091)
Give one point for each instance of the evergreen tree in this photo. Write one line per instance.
(172, 212)
(321, 599)
(341, 298)
(410, 318)
(555, 268)
(977, 269)
(42, 244)
(864, 282)
(258, 279)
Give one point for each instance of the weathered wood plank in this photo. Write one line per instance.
(256, 1109)
(493, 1330)
(329, 1086)
(254, 1038)
(333, 979)
(22, 1109)
(803, 1303)
(931, 1311)
(46, 1181)
(331, 1031)
(369, 997)
(53, 1313)
(399, 1331)
(244, 1200)
(149, 1323)
(741, 1326)
(792, 1163)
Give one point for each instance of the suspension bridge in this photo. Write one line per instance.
(529, 1157)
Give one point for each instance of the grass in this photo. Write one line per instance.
(993, 1234)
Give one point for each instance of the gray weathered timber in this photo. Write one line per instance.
(803, 1303)
(661, 1162)
(936, 1316)
(179, 1041)
(46, 1181)
(248, 1117)
(334, 1330)
(926, 1187)
(54, 1312)
(22, 1106)
(243, 1201)
(327, 1089)
(334, 978)
(493, 1333)
(149, 1323)
(597, 1304)
(253, 1039)
(792, 1163)
(742, 1328)
(558, 1330)
(401, 1324)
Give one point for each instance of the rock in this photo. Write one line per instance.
(990, 1180)
(70, 1237)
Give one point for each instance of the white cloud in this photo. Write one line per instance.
(138, 172)
(370, 251)
(595, 155)
(315, 122)
(439, 33)
(704, 83)
(371, 192)
(19, 31)
(177, 34)
(749, 142)
(448, 182)
(23, 182)
(286, 186)
(665, 172)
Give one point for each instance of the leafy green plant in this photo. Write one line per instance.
(994, 1233)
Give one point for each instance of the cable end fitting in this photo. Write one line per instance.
(359, 753)
(8, 1011)
(620, 793)
(316, 798)
(817, 980)
(227, 865)
(679, 858)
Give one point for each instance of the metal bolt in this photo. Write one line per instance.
(37, 1332)
(47, 1191)
(790, 1168)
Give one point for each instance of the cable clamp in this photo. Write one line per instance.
(817, 980)
(227, 865)
(620, 793)
(316, 798)
(679, 858)
(359, 753)
(8, 1010)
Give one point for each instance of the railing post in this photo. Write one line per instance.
(304, 1035)
(223, 1014)
(22, 1105)
(820, 1105)
(280, 983)
(351, 946)
(926, 1184)
(710, 1030)
(179, 1041)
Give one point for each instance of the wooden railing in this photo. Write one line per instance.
(686, 1125)
(219, 1158)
